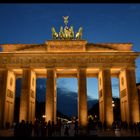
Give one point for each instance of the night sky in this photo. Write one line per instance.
(102, 23)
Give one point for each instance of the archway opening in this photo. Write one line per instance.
(40, 98)
(92, 98)
(116, 99)
(67, 90)
(17, 99)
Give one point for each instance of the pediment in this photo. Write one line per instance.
(109, 47)
(23, 47)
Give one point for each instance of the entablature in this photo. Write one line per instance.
(81, 59)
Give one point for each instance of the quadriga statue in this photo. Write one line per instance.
(66, 33)
(54, 33)
(79, 33)
(71, 32)
(61, 34)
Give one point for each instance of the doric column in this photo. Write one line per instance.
(50, 107)
(82, 98)
(105, 97)
(7, 97)
(128, 96)
(28, 96)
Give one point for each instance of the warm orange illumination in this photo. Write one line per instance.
(83, 117)
(49, 115)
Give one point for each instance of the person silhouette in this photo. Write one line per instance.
(66, 133)
(76, 127)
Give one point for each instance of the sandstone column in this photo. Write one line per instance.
(128, 96)
(82, 98)
(50, 107)
(7, 97)
(28, 96)
(105, 97)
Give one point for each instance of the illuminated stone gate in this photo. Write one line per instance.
(68, 57)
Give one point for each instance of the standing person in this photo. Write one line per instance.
(30, 128)
(104, 125)
(117, 131)
(53, 128)
(43, 128)
(135, 128)
(49, 129)
(76, 127)
(66, 133)
(16, 129)
(36, 128)
(59, 126)
(131, 127)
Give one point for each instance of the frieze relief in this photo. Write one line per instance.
(65, 60)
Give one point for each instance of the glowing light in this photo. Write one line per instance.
(113, 105)
(44, 116)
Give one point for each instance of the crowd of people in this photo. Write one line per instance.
(39, 128)
(133, 127)
(42, 128)
(116, 125)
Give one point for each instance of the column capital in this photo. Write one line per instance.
(104, 68)
(51, 68)
(128, 68)
(25, 68)
(81, 68)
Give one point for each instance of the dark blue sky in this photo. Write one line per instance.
(31, 23)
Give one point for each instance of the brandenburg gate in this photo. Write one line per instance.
(67, 55)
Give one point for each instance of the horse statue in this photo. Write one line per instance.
(79, 33)
(54, 33)
(61, 34)
(66, 33)
(71, 32)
